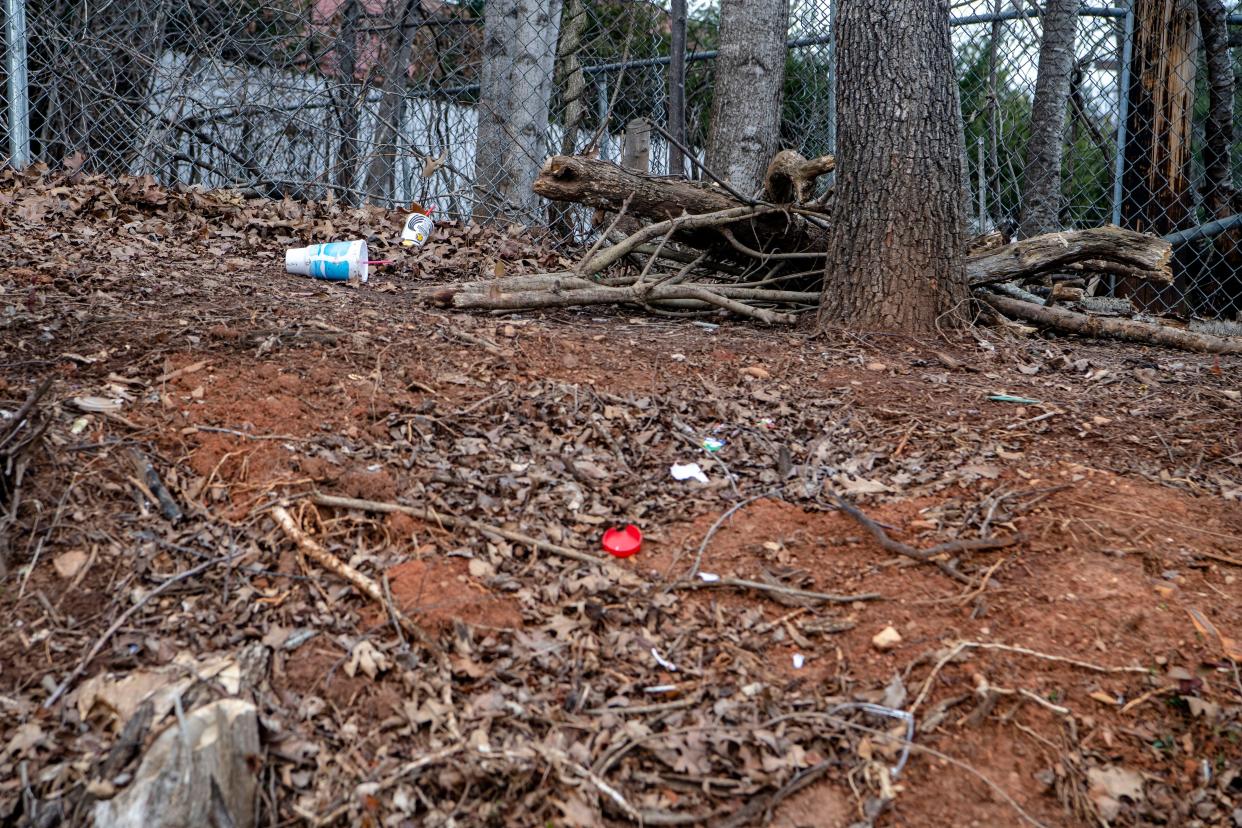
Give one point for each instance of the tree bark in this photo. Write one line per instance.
(381, 174)
(746, 99)
(1218, 127)
(1157, 195)
(519, 48)
(896, 237)
(1041, 199)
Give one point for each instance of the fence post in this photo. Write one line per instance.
(677, 87)
(1123, 108)
(18, 93)
(1123, 114)
(832, 76)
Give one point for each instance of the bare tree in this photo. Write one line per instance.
(746, 100)
(348, 100)
(381, 174)
(519, 50)
(1041, 195)
(895, 244)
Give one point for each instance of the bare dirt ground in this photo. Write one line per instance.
(1086, 674)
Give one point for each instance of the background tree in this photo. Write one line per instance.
(519, 50)
(746, 104)
(1157, 196)
(895, 244)
(1042, 200)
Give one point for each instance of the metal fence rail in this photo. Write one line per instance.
(378, 100)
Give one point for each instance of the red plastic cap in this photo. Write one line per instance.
(622, 543)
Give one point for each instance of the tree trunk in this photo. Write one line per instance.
(1156, 186)
(1218, 128)
(746, 100)
(1041, 199)
(519, 49)
(381, 175)
(348, 102)
(896, 237)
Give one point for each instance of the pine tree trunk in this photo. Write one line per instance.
(746, 99)
(896, 234)
(1041, 197)
(519, 50)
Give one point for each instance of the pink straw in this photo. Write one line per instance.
(380, 261)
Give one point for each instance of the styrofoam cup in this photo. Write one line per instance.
(333, 262)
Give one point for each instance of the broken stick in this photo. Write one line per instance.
(932, 555)
(1129, 330)
(311, 549)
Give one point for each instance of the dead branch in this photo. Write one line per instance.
(791, 177)
(311, 549)
(932, 555)
(1128, 330)
(729, 297)
(1136, 253)
(606, 186)
(439, 518)
(777, 589)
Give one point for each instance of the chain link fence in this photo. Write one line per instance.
(387, 101)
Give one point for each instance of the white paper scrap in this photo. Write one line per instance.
(688, 471)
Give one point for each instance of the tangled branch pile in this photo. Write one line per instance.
(694, 249)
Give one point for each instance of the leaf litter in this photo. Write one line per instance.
(168, 327)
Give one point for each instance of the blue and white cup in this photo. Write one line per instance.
(332, 262)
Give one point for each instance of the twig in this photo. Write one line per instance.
(235, 432)
(740, 583)
(750, 251)
(125, 616)
(696, 162)
(741, 504)
(362, 583)
(433, 516)
(604, 258)
(928, 555)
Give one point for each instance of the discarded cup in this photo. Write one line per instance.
(622, 543)
(417, 230)
(333, 262)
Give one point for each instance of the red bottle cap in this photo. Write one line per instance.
(622, 543)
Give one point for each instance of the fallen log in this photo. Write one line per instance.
(1128, 330)
(606, 186)
(1132, 254)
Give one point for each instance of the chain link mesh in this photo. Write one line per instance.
(381, 100)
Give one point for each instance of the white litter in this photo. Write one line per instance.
(710, 577)
(662, 661)
(798, 660)
(688, 471)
